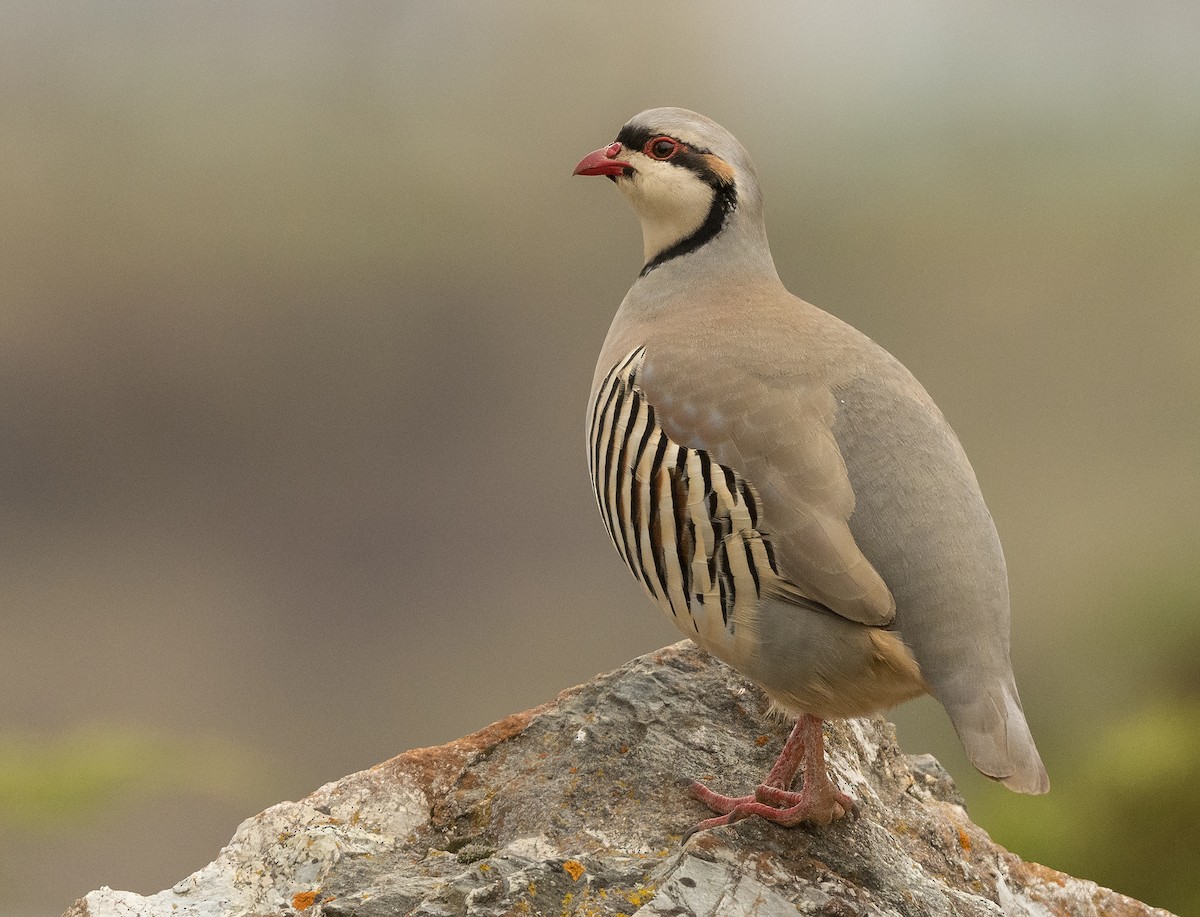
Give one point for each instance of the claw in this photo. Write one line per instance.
(703, 826)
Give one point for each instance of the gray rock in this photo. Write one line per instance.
(576, 808)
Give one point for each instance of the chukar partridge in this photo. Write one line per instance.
(783, 487)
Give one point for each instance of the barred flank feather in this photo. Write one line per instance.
(684, 525)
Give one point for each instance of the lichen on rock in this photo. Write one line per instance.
(577, 808)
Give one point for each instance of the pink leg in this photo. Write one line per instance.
(780, 778)
(788, 762)
(818, 802)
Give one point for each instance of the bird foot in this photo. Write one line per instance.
(819, 805)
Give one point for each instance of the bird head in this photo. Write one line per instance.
(689, 181)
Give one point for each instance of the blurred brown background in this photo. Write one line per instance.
(299, 306)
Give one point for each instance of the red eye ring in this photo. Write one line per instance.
(661, 148)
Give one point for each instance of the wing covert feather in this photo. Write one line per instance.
(781, 441)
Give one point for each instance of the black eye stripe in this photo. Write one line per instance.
(687, 156)
(636, 138)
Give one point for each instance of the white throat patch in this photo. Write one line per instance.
(671, 202)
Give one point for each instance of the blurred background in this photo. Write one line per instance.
(299, 306)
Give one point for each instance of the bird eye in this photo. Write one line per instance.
(662, 148)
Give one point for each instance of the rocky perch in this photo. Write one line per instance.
(576, 808)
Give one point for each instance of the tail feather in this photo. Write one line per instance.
(998, 742)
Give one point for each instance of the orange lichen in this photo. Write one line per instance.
(574, 869)
(964, 839)
(760, 741)
(434, 769)
(302, 901)
(640, 896)
(1041, 873)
